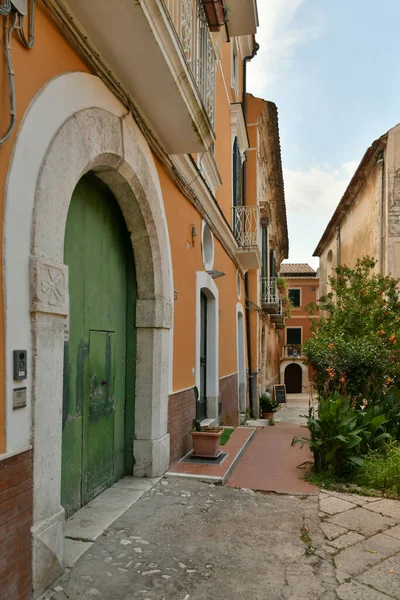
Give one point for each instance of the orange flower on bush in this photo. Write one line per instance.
(331, 346)
(392, 339)
(342, 379)
(381, 332)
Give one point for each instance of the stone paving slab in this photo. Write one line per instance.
(363, 521)
(367, 553)
(353, 498)
(356, 591)
(348, 539)
(332, 505)
(88, 523)
(385, 577)
(332, 531)
(389, 508)
(394, 532)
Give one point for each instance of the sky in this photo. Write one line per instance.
(333, 69)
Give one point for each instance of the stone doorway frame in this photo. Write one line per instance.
(305, 382)
(75, 125)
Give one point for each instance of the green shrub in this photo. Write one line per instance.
(340, 434)
(335, 436)
(356, 344)
(381, 469)
(267, 405)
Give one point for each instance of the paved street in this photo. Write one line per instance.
(189, 540)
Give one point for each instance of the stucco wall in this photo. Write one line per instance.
(358, 231)
(391, 246)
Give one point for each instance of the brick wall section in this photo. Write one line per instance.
(181, 412)
(16, 500)
(228, 392)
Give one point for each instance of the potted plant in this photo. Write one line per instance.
(205, 439)
(268, 406)
(281, 284)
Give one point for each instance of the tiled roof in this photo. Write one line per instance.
(301, 269)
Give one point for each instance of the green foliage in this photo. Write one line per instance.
(354, 348)
(341, 434)
(335, 436)
(267, 405)
(381, 469)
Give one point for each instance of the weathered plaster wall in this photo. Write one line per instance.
(358, 231)
(391, 258)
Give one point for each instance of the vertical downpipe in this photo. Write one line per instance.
(252, 376)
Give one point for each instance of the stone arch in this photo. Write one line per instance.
(304, 368)
(75, 125)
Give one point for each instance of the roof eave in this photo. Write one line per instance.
(354, 187)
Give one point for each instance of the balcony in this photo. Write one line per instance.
(242, 17)
(247, 232)
(279, 316)
(162, 54)
(292, 351)
(270, 295)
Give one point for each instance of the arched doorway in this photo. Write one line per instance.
(99, 357)
(293, 379)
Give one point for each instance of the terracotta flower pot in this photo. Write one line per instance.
(268, 416)
(206, 443)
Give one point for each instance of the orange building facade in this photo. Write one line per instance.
(141, 235)
(303, 289)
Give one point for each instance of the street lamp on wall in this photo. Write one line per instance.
(215, 274)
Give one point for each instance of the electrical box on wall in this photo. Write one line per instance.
(20, 5)
(20, 369)
(19, 398)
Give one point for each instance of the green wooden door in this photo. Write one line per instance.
(99, 359)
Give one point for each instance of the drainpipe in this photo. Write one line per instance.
(381, 163)
(252, 376)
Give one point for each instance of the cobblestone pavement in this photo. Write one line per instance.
(188, 540)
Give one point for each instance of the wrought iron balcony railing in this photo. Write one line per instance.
(269, 291)
(191, 27)
(292, 351)
(246, 226)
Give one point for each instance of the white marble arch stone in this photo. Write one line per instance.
(75, 125)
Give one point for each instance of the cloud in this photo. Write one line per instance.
(278, 36)
(317, 190)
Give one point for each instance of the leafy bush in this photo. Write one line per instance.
(267, 405)
(335, 436)
(355, 347)
(381, 469)
(340, 434)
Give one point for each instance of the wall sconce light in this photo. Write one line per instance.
(194, 234)
(215, 274)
